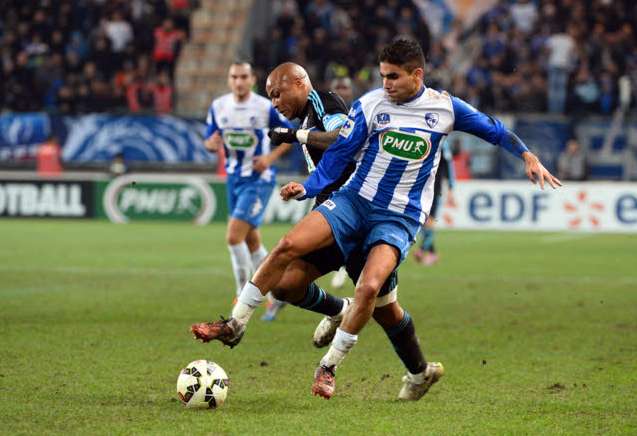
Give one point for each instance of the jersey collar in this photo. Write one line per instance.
(418, 94)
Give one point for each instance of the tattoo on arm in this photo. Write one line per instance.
(322, 139)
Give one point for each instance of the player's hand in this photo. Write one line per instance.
(292, 190)
(261, 163)
(279, 135)
(214, 143)
(536, 172)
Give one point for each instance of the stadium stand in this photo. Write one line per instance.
(92, 55)
(523, 56)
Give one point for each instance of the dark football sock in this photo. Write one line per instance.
(317, 300)
(403, 338)
(427, 239)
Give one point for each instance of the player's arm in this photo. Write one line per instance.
(470, 120)
(261, 163)
(212, 137)
(350, 140)
(313, 137)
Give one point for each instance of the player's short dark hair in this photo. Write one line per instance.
(404, 52)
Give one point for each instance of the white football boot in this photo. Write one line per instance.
(414, 389)
(326, 329)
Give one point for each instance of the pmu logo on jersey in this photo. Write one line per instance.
(431, 118)
(405, 145)
(239, 139)
(382, 119)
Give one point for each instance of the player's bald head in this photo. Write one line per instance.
(289, 72)
(288, 86)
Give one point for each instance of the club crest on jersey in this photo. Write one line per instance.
(239, 139)
(431, 118)
(406, 146)
(382, 119)
(347, 128)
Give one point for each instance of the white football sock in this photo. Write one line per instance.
(341, 344)
(241, 264)
(258, 256)
(417, 378)
(249, 299)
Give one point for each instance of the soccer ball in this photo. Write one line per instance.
(202, 384)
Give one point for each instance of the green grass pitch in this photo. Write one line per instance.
(537, 332)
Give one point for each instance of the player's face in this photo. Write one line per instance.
(240, 80)
(400, 84)
(285, 96)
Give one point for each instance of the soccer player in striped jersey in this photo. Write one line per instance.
(239, 122)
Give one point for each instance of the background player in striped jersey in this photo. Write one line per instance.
(238, 122)
(426, 252)
(292, 93)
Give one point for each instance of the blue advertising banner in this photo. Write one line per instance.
(139, 138)
(21, 133)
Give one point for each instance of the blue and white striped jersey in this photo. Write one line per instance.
(244, 127)
(397, 148)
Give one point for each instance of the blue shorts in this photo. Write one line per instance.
(356, 222)
(248, 199)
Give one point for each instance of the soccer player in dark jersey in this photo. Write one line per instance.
(322, 114)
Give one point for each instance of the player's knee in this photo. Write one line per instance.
(233, 238)
(285, 249)
(366, 293)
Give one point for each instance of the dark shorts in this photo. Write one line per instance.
(330, 259)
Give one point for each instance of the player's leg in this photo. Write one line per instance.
(400, 330)
(326, 329)
(381, 261)
(426, 252)
(298, 288)
(311, 233)
(240, 258)
(258, 252)
(340, 220)
(236, 233)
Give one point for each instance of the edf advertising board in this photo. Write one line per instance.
(497, 205)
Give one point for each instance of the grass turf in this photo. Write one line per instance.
(537, 332)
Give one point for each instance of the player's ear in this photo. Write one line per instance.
(419, 73)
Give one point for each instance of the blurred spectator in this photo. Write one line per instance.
(461, 161)
(571, 164)
(343, 87)
(561, 48)
(524, 14)
(119, 31)
(162, 94)
(167, 42)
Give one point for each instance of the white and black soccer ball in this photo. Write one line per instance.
(202, 384)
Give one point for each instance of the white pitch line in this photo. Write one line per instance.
(563, 237)
(120, 270)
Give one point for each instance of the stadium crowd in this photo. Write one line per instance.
(79, 56)
(562, 56)
(527, 55)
